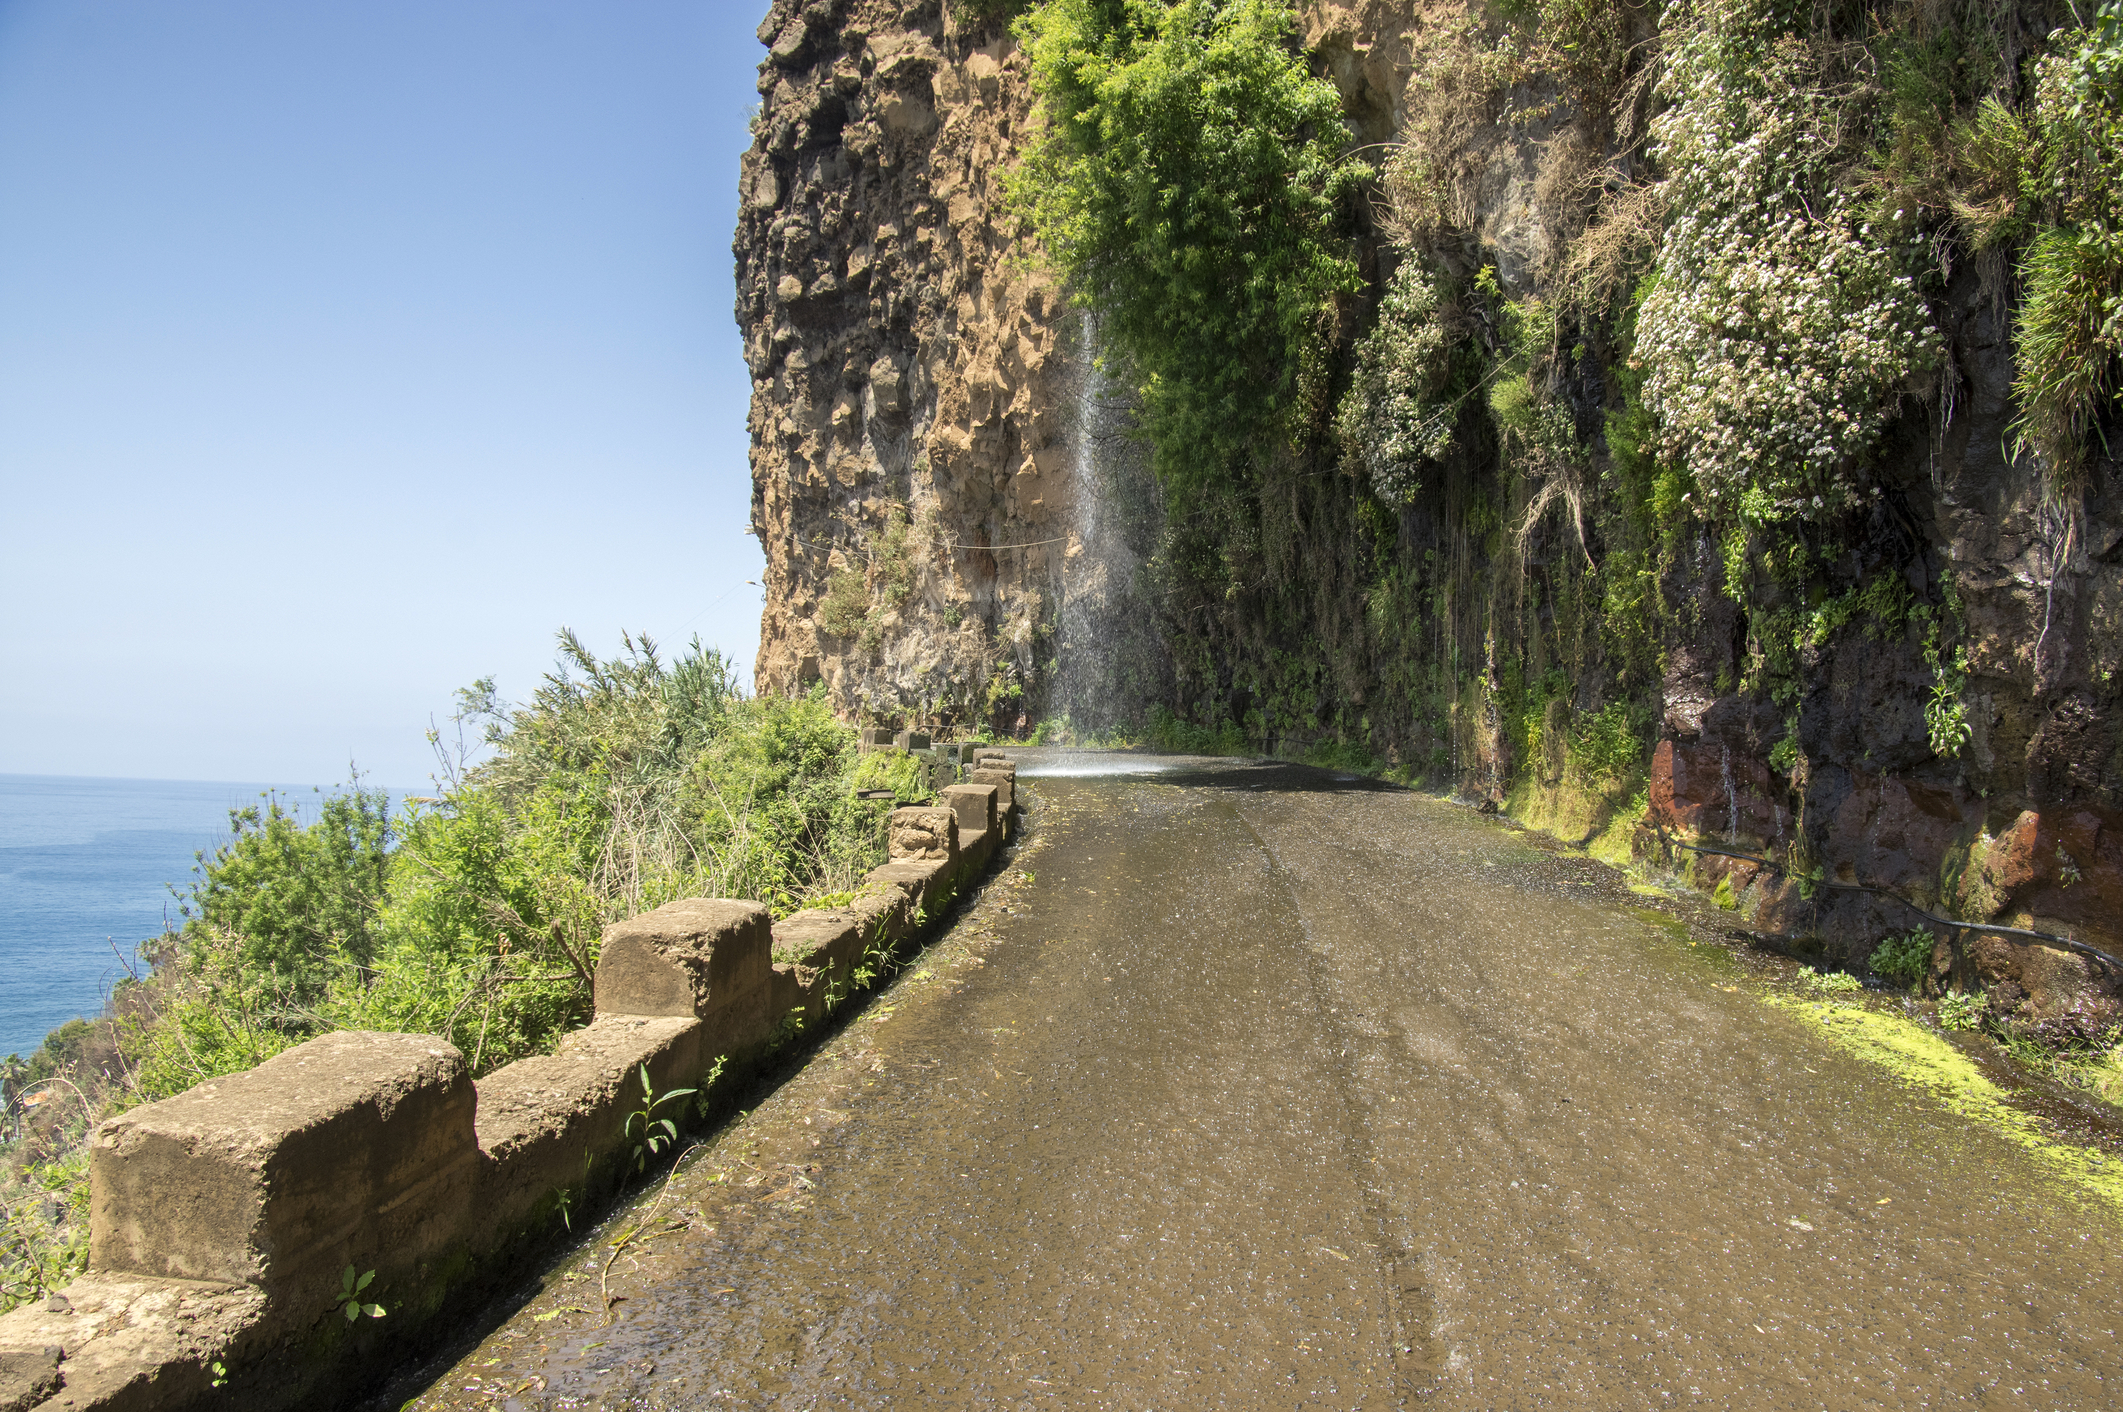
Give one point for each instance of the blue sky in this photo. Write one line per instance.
(346, 352)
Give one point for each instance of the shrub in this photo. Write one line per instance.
(2054, 176)
(1179, 736)
(1962, 1011)
(845, 605)
(1904, 957)
(1780, 324)
(1190, 183)
(622, 784)
(1396, 421)
(300, 898)
(1606, 748)
(1829, 982)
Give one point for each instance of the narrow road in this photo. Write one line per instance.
(1274, 1091)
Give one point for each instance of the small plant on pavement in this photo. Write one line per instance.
(1829, 982)
(656, 1133)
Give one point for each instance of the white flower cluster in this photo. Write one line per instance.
(1778, 326)
(1395, 420)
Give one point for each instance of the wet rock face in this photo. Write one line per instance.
(2025, 826)
(907, 362)
(918, 445)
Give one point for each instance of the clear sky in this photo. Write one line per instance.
(347, 351)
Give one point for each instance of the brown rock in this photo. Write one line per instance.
(1699, 790)
(922, 832)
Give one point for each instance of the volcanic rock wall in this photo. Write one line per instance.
(911, 360)
(914, 375)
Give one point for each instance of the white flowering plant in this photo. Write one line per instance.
(1396, 422)
(1782, 321)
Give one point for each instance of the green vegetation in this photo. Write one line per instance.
(1174, 735)
(1904, 958)
(1453, 516)
(1829, 982)
(651, 1133)
(1923, 1060)
(1783, 314)
(1961, 1010)
(1192, 184)
(351, 1289)
(2049, 177)
(1398, 420)
(475, 914)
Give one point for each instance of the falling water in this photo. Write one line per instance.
(1097, 567)
(1732, 796)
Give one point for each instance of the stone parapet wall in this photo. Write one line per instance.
(224, 1220)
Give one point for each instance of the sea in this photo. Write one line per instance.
(86, 871)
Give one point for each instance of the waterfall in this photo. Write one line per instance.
(1097, 568)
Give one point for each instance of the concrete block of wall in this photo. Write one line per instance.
(133, 1342)
(992, 759)
(924, 881)
(922, 832)
(819, 937)
(546, 1123)
(881, 916)
(974, 853)
(702, 957)
(812, 950)
(974, 807)
(912, 740)
(1004, 782)
(875, 738)
(796, 990)
(353, 1148)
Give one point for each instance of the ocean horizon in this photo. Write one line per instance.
(86, 870)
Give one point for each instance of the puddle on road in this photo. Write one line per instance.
(1271, 1095)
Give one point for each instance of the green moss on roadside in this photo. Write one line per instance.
(1924, 1060)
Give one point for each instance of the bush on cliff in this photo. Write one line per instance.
(620, 785)
(2052, 176)
(1191, 183)
(475, 915)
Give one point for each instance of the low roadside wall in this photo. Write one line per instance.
(224, 1222)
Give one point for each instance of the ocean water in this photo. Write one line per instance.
(85, 871)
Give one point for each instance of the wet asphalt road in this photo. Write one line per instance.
(1272, 1090)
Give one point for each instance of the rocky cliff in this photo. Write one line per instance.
(1907, 697)
(917, 415)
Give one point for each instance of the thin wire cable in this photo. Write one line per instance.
(1033, 544)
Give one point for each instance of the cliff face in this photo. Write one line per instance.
(917, 384)
(956, 527)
